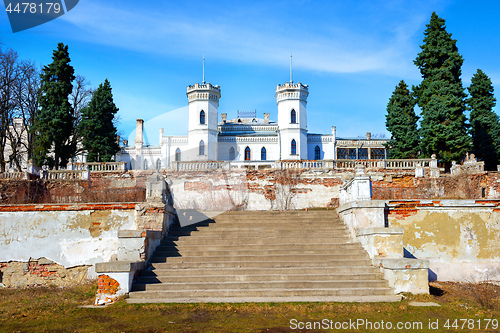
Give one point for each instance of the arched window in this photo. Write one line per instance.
(293, 117)
(247, 154)
(263, 154)
(317, 153)
(177, 155)
(231, 154)
(202, 117)
(202, 147)
(158, 164)
(294, 147)
(145, 164)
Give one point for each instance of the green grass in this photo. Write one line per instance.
(58, 310)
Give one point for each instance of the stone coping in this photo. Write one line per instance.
(68, 207)
(370, 204)
(401, 263)
(139, 234)
(119, 266)
(380, 231)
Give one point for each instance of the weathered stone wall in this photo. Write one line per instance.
(254, 190)
(446, 187)
(101, 187)
(68, 235)
(460, 238)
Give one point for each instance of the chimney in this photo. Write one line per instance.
(368, 136)
(118, 140)
(161, 134)
(138, 132)
(266, 118)
(125, 143)
(223, 117)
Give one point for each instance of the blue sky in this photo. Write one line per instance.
(352, 54)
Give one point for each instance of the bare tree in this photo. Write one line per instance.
(79, 99)
(9, 76)
(26, 96)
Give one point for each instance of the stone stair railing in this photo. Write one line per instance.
(365, 220)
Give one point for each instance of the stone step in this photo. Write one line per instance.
(267, 292)
(256, 252)
(267, 225)
(208, 271)
(275, 299)
(227, 240)
(260, 264)
(258, 233)
(261, 258)
(275, 220)
(245, 285)
(333, 247)
(164, 277)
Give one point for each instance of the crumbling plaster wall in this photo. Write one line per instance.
(460, 238)
(68, 235)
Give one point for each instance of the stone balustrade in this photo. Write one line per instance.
(199, 165)
(65, 175)
(13, 175)
(99, 166)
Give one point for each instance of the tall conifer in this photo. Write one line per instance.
(441, 95)
(97, 127)
(485, 128)
(401, 121)
(53, 124)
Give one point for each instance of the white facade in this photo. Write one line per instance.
(246, 139)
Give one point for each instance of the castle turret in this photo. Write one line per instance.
(292, 119)
(203, 121)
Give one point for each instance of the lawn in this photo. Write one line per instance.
(464, 308)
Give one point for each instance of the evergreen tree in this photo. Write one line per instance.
(53, 124)
(485, 128)
(401, 121)
(97, 127)
(441, 95)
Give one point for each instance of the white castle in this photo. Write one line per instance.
(246, 140)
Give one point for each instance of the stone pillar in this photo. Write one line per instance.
(419, 170)
(434, 167)
(156, 188)
(266, 118)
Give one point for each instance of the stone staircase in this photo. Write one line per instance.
(261, 257)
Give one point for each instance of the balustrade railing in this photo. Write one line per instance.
(99, 166)
(13, 175)
(64, 175)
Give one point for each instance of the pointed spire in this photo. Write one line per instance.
(203, 82)
(291, 80)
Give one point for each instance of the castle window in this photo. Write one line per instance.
(231, 154)
(263, 154)
(377, 153)
(293, 117)
(363, 153)
(202, 117)
(158, 164)
(247, 154)
(294, 147)
(202, 147)
(317, 153)
(177, 155)
(145, 164)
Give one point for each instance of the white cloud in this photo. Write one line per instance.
(335, 49)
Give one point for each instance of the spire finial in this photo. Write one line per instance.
(291, 80)
(203, 82)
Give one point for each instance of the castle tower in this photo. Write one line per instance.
(203, 122)
(292, 120)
